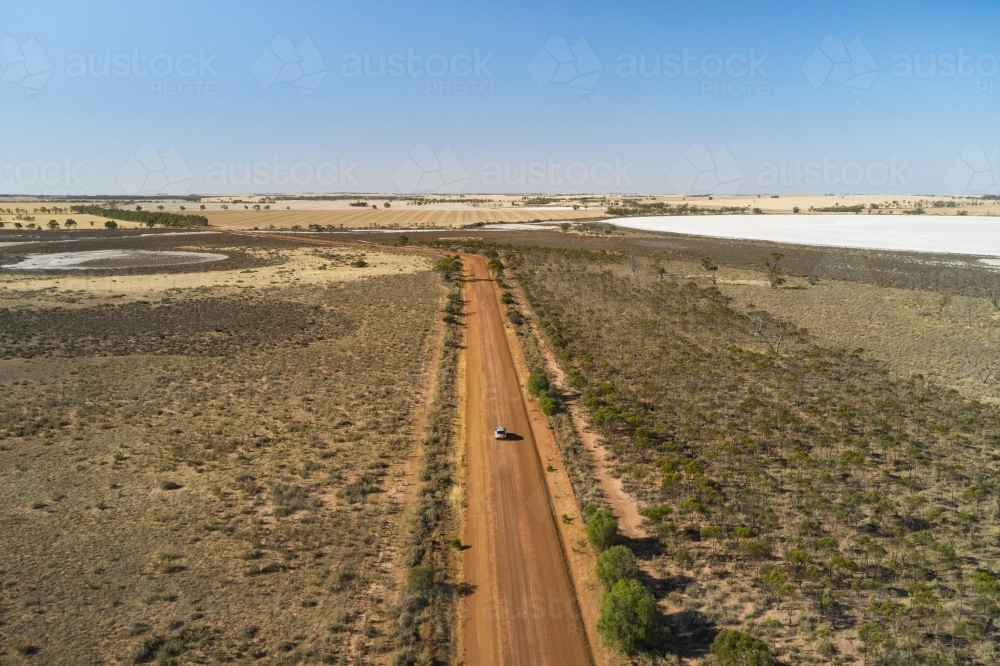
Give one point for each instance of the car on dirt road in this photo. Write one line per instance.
(500, 433)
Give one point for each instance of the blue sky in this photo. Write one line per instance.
(840, 98)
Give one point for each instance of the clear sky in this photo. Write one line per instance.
(662, 97)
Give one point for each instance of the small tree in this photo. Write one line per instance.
(386, 205)
(629, 617)
(657, 260)
(710, 266)
(602, 530)
(110, 224)
(448, 266)
(735, 648)
(771, 268)
(615, 564)
(403, 241)
(70, 222)
(53, 225)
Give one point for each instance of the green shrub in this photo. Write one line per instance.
(538, 382)
(735, 648)
(629, 617)
(548, 403)
(615, 564)
(146, 650)
(421, 578)
(602, 530)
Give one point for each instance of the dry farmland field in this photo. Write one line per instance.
(216, 463)
(392, 218)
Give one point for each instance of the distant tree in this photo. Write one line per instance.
(159, 208)
(256, 207)
(770, 262)
(615, 564)
(710, 266)
(202, 207)
(224, 207)
(386, 205)
(633, 264)
(602, 530)
(183, 208)
(768, 330)
(735, 648)
(657, 260)
(70, 222)
(374, 206)
(966, 311)
(53, 224)
(796, 209)
(564, 226)
(982, 362)
(138, 207)
(629, 619)
(403, 241)
(17, 225)
(110, 224)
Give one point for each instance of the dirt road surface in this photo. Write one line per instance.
(522, 609)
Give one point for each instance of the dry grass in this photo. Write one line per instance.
(915, 332)
(217, 476)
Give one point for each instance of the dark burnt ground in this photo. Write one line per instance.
(191, 326)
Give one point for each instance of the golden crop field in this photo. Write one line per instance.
(366, 218)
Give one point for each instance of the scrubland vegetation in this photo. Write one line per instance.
(227, 478)
(804, 503)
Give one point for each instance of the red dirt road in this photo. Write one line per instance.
(523, 609)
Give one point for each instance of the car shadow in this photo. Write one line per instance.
(513, 437)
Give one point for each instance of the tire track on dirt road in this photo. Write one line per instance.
(523, 609)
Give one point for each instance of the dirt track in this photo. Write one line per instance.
(523, 609)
